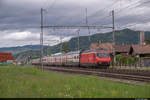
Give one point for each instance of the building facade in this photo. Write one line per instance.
(6, 58)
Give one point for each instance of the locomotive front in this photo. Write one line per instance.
(103, 58)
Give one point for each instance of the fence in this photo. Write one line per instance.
(132, 62)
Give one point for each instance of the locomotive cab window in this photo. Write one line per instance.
(102, 54)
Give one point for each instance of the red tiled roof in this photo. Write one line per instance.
(122, 48)
(93, 46)
(137, 49)
(107, 46)
(141, 49)
(6, 56)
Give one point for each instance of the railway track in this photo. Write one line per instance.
(112, 73)
(118, 71)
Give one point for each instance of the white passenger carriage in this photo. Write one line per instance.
(68, 59)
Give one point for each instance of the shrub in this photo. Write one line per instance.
(126, 60)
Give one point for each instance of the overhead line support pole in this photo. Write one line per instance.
(113, 30)
(87, 23)
(41, 40)
(78, 40)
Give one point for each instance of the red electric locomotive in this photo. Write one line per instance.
(95, 58)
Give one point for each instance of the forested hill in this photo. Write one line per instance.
(125, 36)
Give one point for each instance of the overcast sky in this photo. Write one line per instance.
(20, 19)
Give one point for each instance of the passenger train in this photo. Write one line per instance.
(90, 58)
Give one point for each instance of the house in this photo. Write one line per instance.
(141, 50)
(107, 46)
(125, 50)
(6, 58)
(133, 50)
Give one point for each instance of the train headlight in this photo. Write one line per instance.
(100, 62)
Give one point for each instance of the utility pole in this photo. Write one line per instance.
(87, 22)
(47, 49)
(113, 29)
(31, 53)
(41, 39)
(61, 43)
(78, 40)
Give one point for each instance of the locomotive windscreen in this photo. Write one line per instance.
(102, 54)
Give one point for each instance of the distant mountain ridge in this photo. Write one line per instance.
(125, 36)
(21, 47)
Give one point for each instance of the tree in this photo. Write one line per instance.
(148, 41)
(126, 60)
(64, 48)
(48, 51)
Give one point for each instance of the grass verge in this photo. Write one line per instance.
(29, 82)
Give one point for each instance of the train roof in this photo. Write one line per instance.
(63, 54)
(73, 52)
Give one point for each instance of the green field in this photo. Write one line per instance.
(29, 82)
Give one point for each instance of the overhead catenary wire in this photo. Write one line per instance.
(128, 7)
(117, 11)
(49, 6)
(136, 23)
(106, 17)
(126, 26)
(95, 13)
(103, 9)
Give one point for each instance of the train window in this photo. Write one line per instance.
(102, 55)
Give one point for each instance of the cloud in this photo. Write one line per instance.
(21, 36)
(20, 19)
(26, 38)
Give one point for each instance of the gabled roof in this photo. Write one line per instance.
(5, 56)
(108, 46)
(93, 46)
(137, 49)
(122, 48)
(141, 49)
